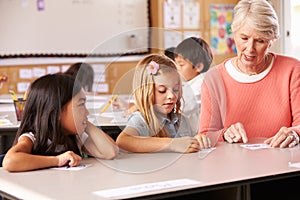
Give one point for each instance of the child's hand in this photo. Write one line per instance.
(68, 158)
(185, 145)
(203, 140)
(120, 104)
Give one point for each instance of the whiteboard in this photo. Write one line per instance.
(74, 27)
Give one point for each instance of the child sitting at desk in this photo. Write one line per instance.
(158, 125)
(55, 131)
(193, 58)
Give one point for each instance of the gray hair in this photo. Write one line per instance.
(259, 14)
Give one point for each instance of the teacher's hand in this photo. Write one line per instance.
(235, 133)
(285, 137)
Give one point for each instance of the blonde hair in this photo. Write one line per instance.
(144, 87)
(259, 14)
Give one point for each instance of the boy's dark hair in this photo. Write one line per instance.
(169, 52)
(84, 73)
(196, 50)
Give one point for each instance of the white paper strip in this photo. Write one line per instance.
(135, 189)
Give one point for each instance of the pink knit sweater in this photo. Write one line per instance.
(263, 107)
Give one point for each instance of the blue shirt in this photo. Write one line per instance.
(177, 126)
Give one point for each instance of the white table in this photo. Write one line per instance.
(229, 165)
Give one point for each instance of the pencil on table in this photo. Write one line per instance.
(109, 103)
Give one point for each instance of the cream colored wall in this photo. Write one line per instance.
(277, 46)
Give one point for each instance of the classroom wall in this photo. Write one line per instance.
(107, 80)
(113, 75)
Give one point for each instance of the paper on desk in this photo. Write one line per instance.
(135, 189)
(7, 108)
(296, 165)
(204, 152)
(5, 122)
(77, 168)
(6, 100)
(256, 146)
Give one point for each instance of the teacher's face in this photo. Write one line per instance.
(251, 46)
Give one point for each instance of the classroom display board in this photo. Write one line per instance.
(181, 20)
(74, 27)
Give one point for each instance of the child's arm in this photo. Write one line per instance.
(130, 140)
(19, 158)
(99, 144)
(203, 140)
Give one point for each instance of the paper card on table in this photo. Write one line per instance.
(5, 122)
(296, 165)
(204, 152)
(77, 168)
(135, 189)
(256, 146)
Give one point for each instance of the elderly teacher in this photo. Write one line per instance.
(257, 93)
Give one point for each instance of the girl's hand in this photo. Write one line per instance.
(285, 137)
(120, 104)
(68, 158)
(203, 140)
(185, 145)
(235, 133)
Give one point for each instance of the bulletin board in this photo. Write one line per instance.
(181, 19)
(74, 27)
(221, 40)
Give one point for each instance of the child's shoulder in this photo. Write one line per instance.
(136, 118)
(30, 135)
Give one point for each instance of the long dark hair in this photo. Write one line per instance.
(46, 98)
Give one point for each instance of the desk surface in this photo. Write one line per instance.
(227, 164)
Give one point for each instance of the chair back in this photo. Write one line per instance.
(1, 159)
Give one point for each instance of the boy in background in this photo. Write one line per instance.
(193, 57)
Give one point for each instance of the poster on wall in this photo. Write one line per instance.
(172, 14)
(221, 37)
(191, 14)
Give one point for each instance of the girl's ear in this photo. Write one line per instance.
(199, 67)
